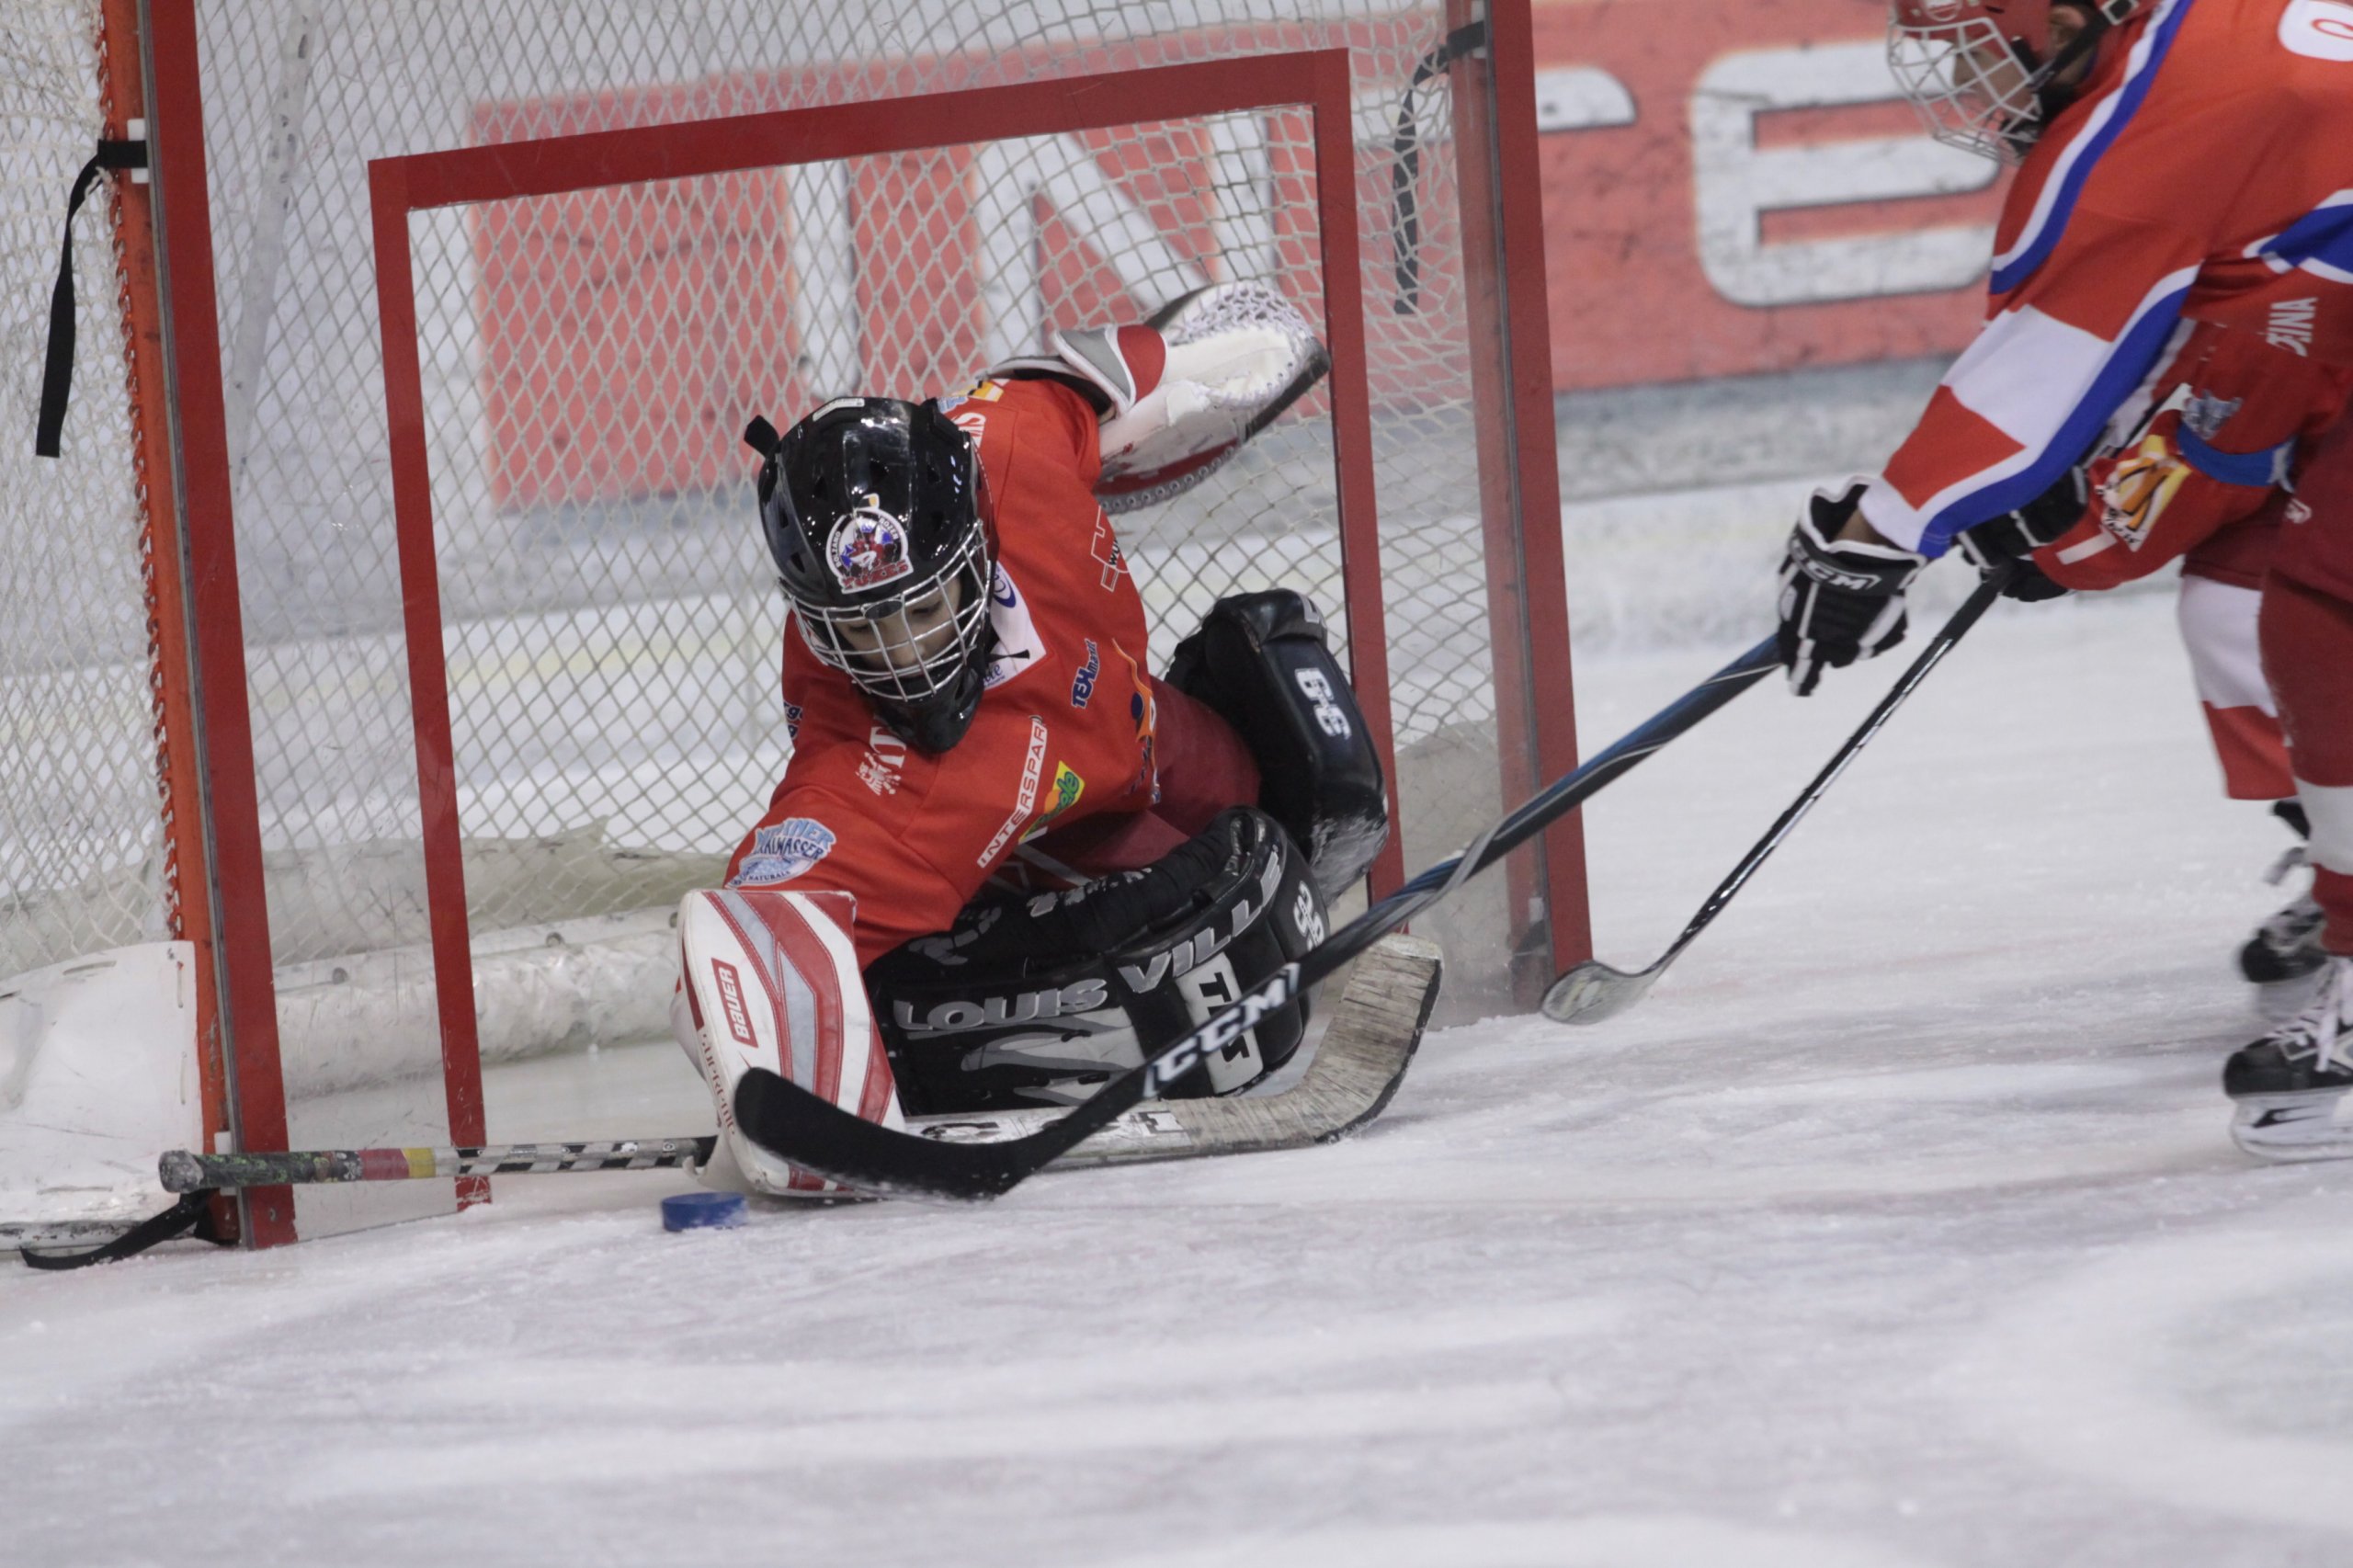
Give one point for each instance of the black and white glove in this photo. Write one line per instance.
(2015, 536)
(1841, 599)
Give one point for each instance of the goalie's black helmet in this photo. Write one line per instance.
(873, 511)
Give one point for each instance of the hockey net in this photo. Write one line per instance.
(586, 361)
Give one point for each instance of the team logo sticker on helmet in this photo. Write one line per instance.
(782, 851)
(867, 549)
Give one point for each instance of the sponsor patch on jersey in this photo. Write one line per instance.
(2139, 488)
(1082, 685)
(2291, 324)
(782, 851)
(1018, 646)
(983, 390)
(1032, 766)
(792, 712)
(885, 755)
(1104, 547)
(1066, 790)
(867, 549)
(2205, 413)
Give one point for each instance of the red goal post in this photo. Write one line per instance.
(412, 655)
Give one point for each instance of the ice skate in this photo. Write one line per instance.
(2289, 1085)
(2282, 960)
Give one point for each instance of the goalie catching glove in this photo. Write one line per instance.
(1179, 396)
(1041, 1000)
(1841, 599)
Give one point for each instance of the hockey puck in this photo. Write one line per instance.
(702, 1211)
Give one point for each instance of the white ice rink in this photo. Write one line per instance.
(1899, 1227)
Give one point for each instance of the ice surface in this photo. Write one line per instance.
(1898, 1227)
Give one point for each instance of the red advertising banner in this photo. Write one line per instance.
(1735, 186)
(1729, 186)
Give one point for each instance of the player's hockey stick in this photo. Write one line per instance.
(813, 1133)
(181, 1171)
(1358, 1066)
(1594, 990)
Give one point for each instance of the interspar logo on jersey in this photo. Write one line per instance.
(1032, 766)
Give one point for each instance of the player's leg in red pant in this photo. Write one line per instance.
(2308, 653)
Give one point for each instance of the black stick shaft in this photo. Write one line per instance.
(1972, 610)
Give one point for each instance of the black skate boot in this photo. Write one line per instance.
(2284, 955)
(2290, 1084)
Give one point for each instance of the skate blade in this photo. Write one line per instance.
(2292, 1127)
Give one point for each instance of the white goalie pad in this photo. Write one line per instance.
(1237, 355)
(97, 1077)
(771, 980)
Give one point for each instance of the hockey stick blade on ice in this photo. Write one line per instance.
(796, 1125)
(1594, 990)
(1356, 1068)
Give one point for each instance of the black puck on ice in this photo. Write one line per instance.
(702, 1211)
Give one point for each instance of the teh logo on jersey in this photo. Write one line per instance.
(867, 549)
(1082, 685)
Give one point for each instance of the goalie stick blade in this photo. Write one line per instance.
(1594, 990)
(1357, 1070)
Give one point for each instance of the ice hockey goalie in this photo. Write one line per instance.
(1006, 858)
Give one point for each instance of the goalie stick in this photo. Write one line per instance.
(1356, 1071)
(1594, 990)
(821, 1137)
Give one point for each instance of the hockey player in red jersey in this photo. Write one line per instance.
(974, 724)
(2170, 337)
(2291, 1088)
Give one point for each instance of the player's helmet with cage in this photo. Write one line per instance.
(875, 514)
(1987, 75)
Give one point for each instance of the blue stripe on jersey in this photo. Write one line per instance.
(2127, 364)
(2042, 241)
(2323, 235)
(2256, 471)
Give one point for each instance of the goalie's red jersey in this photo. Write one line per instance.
(1065, 728)
(2204, 176)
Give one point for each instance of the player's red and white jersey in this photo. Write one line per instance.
(2205, 174)
(1064, 730)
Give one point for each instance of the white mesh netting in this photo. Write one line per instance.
(611, 622)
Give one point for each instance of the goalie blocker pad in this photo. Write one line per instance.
(1039, 1001)
(1261, 662)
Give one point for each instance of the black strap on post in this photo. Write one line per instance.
(192, 1212)
(1405, 217)
(57, 378)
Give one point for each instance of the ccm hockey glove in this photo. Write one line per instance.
(1841, 599)
(2015, 536)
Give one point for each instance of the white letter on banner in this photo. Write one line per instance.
(1736, 183)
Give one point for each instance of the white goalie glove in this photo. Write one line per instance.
(1209, 371)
